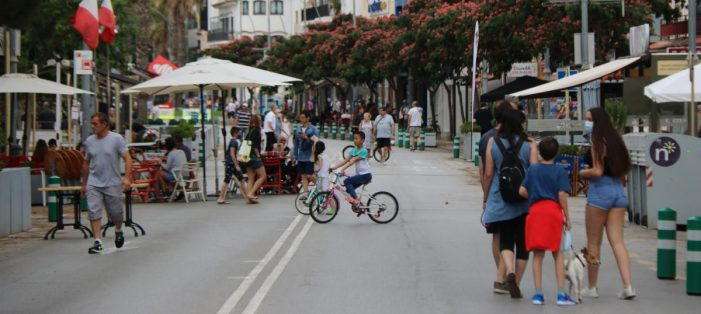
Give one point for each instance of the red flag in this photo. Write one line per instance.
(161, 66)
(86, 23)
(107, 22)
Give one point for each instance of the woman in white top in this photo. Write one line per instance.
(366, 127)
(322, 164)
(285, 130)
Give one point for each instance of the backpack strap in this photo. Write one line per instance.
(512, 150)
(519, 144)
(500, 145)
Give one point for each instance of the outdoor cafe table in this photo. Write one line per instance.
(74, 193)
(129, 222)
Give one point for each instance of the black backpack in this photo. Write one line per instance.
(511, 172)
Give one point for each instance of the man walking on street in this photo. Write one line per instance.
(415, 118)
(102, 183)
(243, 117)
(383, 132)
(269, 128)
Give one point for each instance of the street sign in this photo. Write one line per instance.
(83, 62)
(562, 73)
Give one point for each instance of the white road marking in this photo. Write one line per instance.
(279, 268)
(235, 297)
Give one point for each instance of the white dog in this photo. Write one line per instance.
(574, 270)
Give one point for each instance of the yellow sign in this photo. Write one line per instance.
(166, 114)
(668, 67)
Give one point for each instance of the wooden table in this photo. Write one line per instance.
(61, 192)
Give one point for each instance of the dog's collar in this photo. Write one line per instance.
(580, 260)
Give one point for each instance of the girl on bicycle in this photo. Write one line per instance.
(359, 157)
(322, 163)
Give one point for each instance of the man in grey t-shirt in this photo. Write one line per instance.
(384, 131)
(103, 184)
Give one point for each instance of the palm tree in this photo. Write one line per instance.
(177, 12)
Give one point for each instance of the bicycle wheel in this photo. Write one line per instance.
(346, 151)
(301, 204)
(382, 207)
(324, 207)
(377, 154)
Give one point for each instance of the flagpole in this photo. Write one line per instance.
(471, 108)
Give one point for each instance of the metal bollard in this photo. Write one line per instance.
(666, 243)
(400, 143)
(422, 144)
(693, 256)
(407, 139)
(333, 132)
(52, 203)
(343, 133)
(456, 147)
(326, 131)
(477, 153)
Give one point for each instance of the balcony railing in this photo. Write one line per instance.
(219, 35)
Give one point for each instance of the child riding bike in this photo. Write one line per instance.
(363, 175)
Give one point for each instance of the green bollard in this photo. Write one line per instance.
(407, 139)
(400, 143)
(666, 243)
(52, 203)
(83, 204)
(477, 153)
(326, 131)
(333, 132)
(422, 144)
(693, 256)
(343, 133)
(456, 147)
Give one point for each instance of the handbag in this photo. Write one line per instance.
(244, 154)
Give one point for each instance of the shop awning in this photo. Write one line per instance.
(519, 84)
(578, 79)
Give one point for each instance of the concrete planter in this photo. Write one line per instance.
(16, 211)
(468, 150)
(430, 139)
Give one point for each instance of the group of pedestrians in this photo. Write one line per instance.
(525, 202)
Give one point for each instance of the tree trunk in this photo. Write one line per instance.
(462, 105)
(451, 108)
(432, 94)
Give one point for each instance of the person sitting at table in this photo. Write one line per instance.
(179, 145)
(176, 160)
(39, 154)
(52, 144)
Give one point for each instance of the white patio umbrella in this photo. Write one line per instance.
(208, 73)
(30, 83)
(675, 88)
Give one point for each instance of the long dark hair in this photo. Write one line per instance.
(605, 138)
(511, 126)
(319, 148)
(40, 150)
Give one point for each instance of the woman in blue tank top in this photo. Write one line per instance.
(508, 218)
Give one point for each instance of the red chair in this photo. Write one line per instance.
(140, 174)
(18, 161)
(273, 170)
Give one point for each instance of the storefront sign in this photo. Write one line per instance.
(83, 62)
(669, 67)
(523, 69)
(665, 151)
(376, 7)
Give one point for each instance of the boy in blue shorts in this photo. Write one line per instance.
(546, 186)
(363, 175)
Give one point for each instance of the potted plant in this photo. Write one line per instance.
(430, 137)
(618, 112)
(183, 129)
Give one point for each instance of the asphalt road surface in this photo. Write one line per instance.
(208, 258)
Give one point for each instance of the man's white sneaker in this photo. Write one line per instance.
(628, 293)
(590, 292)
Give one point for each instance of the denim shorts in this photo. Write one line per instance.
(607, 192)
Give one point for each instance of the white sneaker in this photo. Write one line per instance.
(628, 293)
(590, 292)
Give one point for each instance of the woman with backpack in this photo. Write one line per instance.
(607, 201)
(509, 154)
